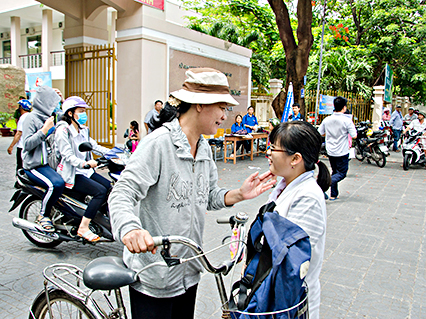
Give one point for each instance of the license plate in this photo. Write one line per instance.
(383, 148)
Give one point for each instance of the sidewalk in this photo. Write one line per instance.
(374, 265)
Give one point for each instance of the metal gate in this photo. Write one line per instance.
(90, 74)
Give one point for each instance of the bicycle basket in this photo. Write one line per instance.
(299, 311)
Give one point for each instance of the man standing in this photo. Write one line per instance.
(24, 108)
(153, 115)
(411, 116)
(396, 122)
(336, 129)
(296, 116)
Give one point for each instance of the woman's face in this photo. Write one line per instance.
(132, 127)
(239, 119)
(212, 116)
(279, 161)
(78, 110)
(250, 110)
(271, 127)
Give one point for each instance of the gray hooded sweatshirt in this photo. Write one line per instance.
(172, 192)
(34, 153)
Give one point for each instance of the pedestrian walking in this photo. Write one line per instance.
(397, 124)
(336, 129)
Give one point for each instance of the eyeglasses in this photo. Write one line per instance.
(270, 150)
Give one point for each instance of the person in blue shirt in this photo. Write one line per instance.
(238, 127)
(396, 122)
(296, 116)
(250, 120)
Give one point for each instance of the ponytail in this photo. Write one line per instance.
(324, 178)
(168, 113)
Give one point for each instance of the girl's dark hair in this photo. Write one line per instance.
(69, 119)
(168, 113)
(302, 137)
(238, 115)
(135, 125)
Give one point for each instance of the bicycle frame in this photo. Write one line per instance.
(69, 278)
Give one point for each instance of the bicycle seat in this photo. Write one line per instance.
(107, 273)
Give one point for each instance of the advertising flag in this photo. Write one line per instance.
(288, 104)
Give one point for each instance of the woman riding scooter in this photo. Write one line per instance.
(70, 133)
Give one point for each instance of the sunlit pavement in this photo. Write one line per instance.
(374, 264)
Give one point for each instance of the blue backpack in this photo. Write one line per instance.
(278, 255)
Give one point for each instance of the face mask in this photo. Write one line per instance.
(82, 118)
(57, 108)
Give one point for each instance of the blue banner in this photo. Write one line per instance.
(326, 105)
(288, 104)
(35, 80)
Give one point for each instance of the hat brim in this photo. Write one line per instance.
(203, 98)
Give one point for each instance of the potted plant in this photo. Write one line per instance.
(4, 118)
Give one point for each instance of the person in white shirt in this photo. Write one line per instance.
(419, 125)
(24, 108)
(299, 197)
(336, 129)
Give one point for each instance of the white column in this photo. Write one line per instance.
(15, 40)
(46, 39)
(113, 27)
(276, 86)
(379, 93)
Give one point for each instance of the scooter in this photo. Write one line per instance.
(370, 145)
(412, 153)
(66, 214)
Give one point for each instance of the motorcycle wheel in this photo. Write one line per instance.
(406, 162)
(379, 157)
(30, 210)
(358, 154)
(63, 306)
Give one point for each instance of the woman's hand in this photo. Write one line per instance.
(252, 187)
(48, 125)
(139, 241)
(92, 163)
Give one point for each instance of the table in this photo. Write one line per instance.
(236, 138)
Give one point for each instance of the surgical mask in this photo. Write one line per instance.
(82, 118)
(57, 108)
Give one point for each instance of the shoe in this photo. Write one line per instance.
(333, 198)
(46, 224)
(397, 151)
(89, 236)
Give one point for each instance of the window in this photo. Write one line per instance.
(6, 49)
(34, 44)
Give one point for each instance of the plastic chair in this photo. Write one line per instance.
(219, 133)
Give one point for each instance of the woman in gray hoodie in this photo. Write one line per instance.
(38, 125)
(172, 179)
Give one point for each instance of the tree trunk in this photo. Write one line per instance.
(297, 55)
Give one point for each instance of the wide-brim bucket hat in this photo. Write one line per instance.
(205, 86)
(72, 102)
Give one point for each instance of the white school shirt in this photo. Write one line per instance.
(20, 127)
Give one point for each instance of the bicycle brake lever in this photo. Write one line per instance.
(165, 253)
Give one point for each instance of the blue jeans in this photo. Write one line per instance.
(47, 178)
(396, 137)
(96, 186)
(339, 169)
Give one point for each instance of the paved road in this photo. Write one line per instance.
(374, 264)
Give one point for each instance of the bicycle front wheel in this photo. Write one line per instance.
(62, 306)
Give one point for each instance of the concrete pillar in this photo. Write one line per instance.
(46, 39)
(276, 86)
(15, 40)
(113, 27)
(379, 93)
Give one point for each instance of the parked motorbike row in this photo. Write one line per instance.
(69, 209)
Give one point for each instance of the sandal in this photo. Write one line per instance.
(333, 198)
(89, 236)
(46, 224)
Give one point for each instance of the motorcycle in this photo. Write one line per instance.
(66, 214)
(370, 145)
(412, 153)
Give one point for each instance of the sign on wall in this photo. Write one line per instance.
(35, 80)
(159, 4)
(326, 105)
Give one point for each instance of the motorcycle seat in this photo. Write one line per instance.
(107, 273)
(24, 177)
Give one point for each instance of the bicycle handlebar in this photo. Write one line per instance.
(240, 219)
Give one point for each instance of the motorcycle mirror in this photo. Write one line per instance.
(85, 147)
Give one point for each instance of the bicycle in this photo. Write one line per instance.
(71, 289)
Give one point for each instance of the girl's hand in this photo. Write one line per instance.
(92, 163)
